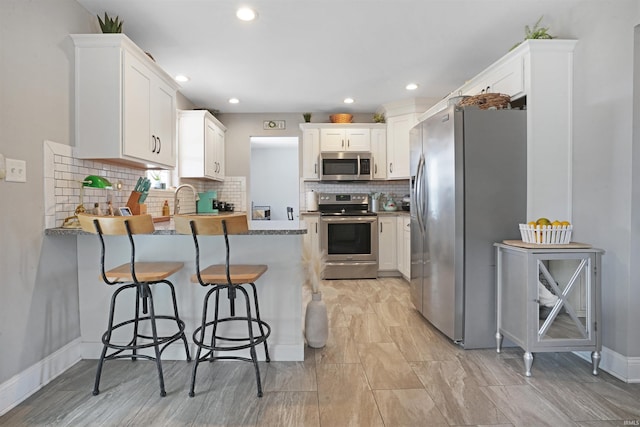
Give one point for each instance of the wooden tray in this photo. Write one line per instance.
(521, 244)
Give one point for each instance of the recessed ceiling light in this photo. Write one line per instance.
(349, 101)
(182, 78)
(246, 14)
(411, 86)
(234, 100)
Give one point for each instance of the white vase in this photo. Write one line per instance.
(316, 322)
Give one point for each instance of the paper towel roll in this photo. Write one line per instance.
(312, 201)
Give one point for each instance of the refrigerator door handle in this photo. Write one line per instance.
(419, 192)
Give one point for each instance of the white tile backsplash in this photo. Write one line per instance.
(63, 175)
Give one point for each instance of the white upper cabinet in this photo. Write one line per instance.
(540, 72)
(125, 104)
(332, 137)
(398, 146)
(345, 139)
(505, 77)
(200, 145)
(379, 152)
(310, 153)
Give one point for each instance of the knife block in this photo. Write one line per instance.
(133, 205)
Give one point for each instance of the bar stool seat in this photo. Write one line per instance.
(240, 274)
(232, 278)
(140, 276)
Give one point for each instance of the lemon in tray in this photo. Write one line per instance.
(543, 221)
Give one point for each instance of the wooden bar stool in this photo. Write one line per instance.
(232, 278)
(139, 276)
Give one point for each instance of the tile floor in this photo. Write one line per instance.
(383, 365)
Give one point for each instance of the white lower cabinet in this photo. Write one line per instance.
(387, 244)
(312, 237)
(403, 239)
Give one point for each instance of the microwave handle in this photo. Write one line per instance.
(358, 164)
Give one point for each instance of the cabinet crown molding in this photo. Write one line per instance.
(304, 126)
(122, 41)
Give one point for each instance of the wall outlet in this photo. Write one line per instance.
(16, 170)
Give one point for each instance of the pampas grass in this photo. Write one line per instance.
(313, 262)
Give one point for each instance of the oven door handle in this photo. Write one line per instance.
(370, 219)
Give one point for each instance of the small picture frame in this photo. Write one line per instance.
(125, 211)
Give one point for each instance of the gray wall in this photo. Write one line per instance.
(602, 159)
(38, 280)
(38, 284)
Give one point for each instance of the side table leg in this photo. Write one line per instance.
(528, 362)
(498, 342)
(595, 361)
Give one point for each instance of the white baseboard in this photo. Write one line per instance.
(27, 382)
(624, 368)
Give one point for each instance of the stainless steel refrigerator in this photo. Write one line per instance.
(468, 190)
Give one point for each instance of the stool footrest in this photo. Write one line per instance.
(257, 339)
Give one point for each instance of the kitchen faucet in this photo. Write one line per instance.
(176, 201)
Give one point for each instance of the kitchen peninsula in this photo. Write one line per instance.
(277, 244)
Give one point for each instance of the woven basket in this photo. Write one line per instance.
(341, 118)
(484, 101)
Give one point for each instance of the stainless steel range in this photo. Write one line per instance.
(348, 235)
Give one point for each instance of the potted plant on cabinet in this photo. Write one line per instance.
(110, 25)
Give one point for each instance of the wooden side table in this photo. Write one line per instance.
(548, 298)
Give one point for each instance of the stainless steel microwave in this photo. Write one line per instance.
(345, 166)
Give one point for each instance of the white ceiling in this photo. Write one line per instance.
(308, 55)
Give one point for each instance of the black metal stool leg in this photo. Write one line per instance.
(177, 317)
(106, 338)
(255, 300)
(252, 348)
(154, 332)
(134, 340)
(200, 342)
(215, 324)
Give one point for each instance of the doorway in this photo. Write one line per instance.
(274, 180)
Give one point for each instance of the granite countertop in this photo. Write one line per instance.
(167, 228)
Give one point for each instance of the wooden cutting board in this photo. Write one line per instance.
(521, 244)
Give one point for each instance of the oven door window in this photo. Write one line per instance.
(348, 238)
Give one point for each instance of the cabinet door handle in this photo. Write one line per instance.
(380, 227)
(159, 145)
(343, 143)
(153, 143)
(316, 228)
(348, 143)
(391, 167)
(315, 168)
(488, 89)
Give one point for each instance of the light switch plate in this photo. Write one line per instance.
(16, 170)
